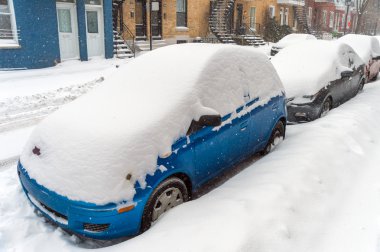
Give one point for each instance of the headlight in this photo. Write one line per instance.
(311, 97)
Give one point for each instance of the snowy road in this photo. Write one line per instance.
(319, 191)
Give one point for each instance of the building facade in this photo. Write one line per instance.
(177, 21)
(42, 33)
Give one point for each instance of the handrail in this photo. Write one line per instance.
(127, 35)
(130, 33)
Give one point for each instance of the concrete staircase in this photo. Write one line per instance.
(121, 49)
(300, 12)
(220, 20)
(144, 45)
(249, 40)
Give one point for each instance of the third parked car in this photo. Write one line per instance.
(318, 76)
(368, 48)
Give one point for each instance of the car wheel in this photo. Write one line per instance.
(170, 193)
(326, 107)
(277, 136)
(361, 86)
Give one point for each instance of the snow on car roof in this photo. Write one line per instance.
(308, 66)
(294, 38)
(366, 47)
(89, 146)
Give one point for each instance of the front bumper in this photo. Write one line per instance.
(298, 113)
(85, 219)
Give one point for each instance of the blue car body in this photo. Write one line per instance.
(196, 158)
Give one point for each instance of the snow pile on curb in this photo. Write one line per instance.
(308, 66)
(120, 128)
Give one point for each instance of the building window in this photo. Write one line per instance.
(8, 32)
(324, 18)
(281, 16)
(181, 13)
(286, 21)
(331, 19)
(272, 11)
(310, 16)
(252, 18)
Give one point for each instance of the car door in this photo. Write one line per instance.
(219, 147)
(261, 122)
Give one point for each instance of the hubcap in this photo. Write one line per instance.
(277, 138)
(170, 198)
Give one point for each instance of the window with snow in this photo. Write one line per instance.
(181, 13)
(8, 32)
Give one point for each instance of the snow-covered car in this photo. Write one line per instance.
(290, 39)
(113, 161)
(318, 76)
(368, 48)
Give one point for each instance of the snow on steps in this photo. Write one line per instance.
(145, 45)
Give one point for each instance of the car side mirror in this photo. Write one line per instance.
(210, 120)
(346, 74)
(205, 120)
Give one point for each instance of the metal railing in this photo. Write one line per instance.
(128, 37)
(244, 29)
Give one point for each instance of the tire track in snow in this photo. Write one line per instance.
(20, 112)
(7, 163)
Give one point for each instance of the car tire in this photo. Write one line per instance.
(361, 86)
(278, 134)
(326, 107)
(161, 200)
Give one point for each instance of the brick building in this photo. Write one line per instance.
(176, 21)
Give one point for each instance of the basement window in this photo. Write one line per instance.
(8, 32)
(181, 13)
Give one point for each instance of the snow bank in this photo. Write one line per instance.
(308, 66)
(90, 145)
(293, 39)
(367, 47)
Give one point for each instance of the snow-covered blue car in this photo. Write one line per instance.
(113, 161)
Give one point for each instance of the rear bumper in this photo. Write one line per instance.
(85, 219)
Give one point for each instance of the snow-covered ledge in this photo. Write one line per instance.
(9, 45)
(182, 29)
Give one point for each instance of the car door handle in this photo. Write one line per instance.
(243, 126)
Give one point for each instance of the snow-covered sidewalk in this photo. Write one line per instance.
(318, 191)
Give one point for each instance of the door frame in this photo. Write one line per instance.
(74, 27)
(160, 28)
(143, 26)
(99, 9)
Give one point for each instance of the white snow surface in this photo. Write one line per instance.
(367, 47)
(90, 145)
(308, 66)
(293, 38)
(318, 191)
